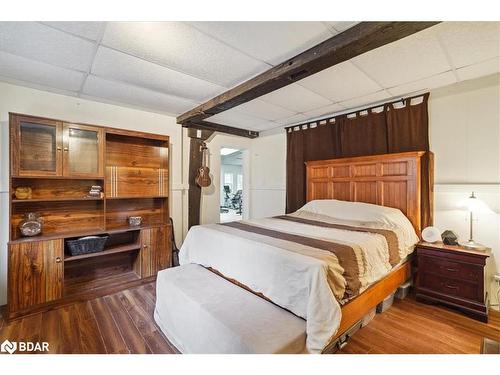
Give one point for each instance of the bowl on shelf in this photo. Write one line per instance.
(23, 192)
(135, 221)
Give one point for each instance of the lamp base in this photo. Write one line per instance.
(473, 245)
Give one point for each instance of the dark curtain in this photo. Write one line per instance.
(303, 146)
(390, 130)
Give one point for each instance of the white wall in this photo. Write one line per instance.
(268, 170)
(465, 138)
(35, 102)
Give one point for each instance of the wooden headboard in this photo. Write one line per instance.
(391, 180)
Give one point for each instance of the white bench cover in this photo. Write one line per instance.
(201, 312)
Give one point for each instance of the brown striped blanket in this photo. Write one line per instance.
(307, 263)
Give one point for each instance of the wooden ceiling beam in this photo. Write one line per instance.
(361, 38)
(207, 125)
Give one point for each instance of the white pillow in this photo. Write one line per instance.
(371, 214)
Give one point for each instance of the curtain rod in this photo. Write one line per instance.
(359, 110)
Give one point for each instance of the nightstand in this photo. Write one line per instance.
(453, 276)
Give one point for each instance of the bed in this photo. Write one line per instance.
(337, 257)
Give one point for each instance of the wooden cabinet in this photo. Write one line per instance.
(36, 146)
(453, 276)
(83, 151)
(35, 273)
(156, 250)
(45, 147)
(60, 162)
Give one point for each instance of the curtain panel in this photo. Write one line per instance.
(388, 128)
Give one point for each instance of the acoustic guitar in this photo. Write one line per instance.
(203, 178)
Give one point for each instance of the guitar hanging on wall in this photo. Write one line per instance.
(203, 177)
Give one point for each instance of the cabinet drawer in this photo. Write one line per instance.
(450, 269)
(450, 286)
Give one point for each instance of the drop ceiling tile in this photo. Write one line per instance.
(295, 119)
(183, 48)
(296, 98)
(406, 60)
(87, 29)
(429, 83)
(283, 40)
(340, 82)
(136, 96)
(484, 68)
(20, 68)
(261, 109)
(324, 111)
(470, 42)
(119, 66)
(340, 26)
(238, 119)
(367, 100)
(39, 42)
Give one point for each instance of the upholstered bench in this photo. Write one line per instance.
(201, 312)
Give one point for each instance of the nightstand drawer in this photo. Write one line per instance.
(451, 269)
(450, 286)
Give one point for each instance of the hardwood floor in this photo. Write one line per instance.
(123, 323)
(119, 323)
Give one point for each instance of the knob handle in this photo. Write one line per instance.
(59, 148)
(58, 260)
(145, 246)
(65, 149)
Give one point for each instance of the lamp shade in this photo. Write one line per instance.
(475, 205)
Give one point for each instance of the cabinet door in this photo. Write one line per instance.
(156, 250)
(83, 151)
(35, 273)
(36, 146)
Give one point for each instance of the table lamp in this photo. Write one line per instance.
(475, 206)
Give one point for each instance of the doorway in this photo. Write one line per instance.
(231, 192)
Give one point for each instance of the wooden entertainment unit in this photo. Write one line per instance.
(60, 162)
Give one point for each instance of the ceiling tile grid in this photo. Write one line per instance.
(170, 67)
(270, 42)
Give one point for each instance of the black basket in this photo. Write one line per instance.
(86, 245)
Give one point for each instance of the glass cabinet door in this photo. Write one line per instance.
(38, 151)
(83, 150)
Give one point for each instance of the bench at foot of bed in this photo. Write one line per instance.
(201, 312)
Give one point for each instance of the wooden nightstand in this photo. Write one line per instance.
(453, 276)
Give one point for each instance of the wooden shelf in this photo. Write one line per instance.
(108, 251)
(59, 177)
(55, 199)
(89, 232)
(75, 286)
(139, 197)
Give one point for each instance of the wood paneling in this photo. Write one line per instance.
(136, 182)
(391, 180)
(35, 273)
(126, 151)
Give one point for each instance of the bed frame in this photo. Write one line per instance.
(391, 180)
